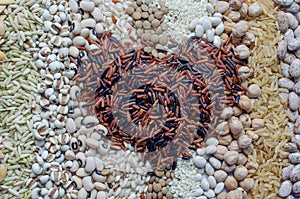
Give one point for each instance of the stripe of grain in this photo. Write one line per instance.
(268, 151)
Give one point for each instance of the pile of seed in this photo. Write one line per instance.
(289, 53)
(50, 176)
(180, 15)
(129, 174)
(18, 86)
(159, 181)
(94, 17)
(235, 144)
(99, 169)
(268, 153)
(223, 163)
(195, 177)
(210, 26)
(3, 167)
(193, 18)
(236, 14)
(149, 22)
(228, 161)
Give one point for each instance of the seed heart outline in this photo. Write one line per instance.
(123, 60)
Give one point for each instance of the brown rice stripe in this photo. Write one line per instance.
(268, 151)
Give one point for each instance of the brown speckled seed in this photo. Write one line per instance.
(164, 26)
(151, 17)
(138, 24)
(234, 16)
(154, 52)
(155, 9)
(146, 25)
(159, 173)
(159, 31)
(138, 10)
(144, 7)
(155, 23)
(136, 15)
(154, 38)
(158, 14)
(162, 182)
(145, 15)
(146, 36)
(160, 168)
(134, 5)
(157, 179)
(130, 10)
(161, 47)
(163, 40)
(169, 195)
(168, 174)
(164, 190)
(159, 195)
(165, 10)
(156, 187)
(150, 10)
(139, 32)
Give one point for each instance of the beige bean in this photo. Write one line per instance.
(230, 183)
(231, 157)
(221, 150)
(240, 172)
(244, 141)
(247, 184)
(253, 91)
(258, 123)
(244, 102)
(235, 126)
